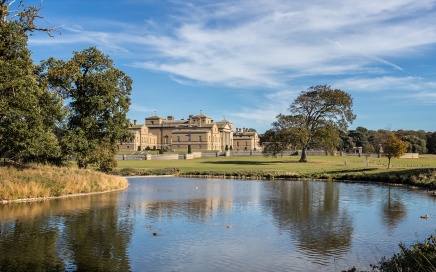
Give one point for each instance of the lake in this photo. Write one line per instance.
(190, 224)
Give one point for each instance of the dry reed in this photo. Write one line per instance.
(47, 181)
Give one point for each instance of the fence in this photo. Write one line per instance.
(195, 155)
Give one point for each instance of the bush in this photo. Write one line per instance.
(419, 257)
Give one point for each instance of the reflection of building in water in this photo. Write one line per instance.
(219, 197)
(198, 204)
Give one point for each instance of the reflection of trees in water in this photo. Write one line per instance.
(29, 246)
(310, 212)
(393, 210)
(93, 235)
(98, 239)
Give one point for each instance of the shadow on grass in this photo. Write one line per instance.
(359, 170)
(248, 162)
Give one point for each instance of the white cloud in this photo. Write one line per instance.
(266, 43)
(139, 108)
(385, 83)
(290, 39)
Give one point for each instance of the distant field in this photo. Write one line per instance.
(315, 164)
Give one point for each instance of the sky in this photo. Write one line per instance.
(247, 60)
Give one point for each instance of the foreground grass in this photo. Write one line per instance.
(419, 172)
(420, 256)
(45, 181)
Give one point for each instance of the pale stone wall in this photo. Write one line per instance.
(410, 156)
(243, 140)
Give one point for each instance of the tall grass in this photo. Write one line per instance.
(46, 181)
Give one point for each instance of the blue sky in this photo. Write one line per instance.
(248, 60)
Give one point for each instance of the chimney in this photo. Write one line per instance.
(134, 122)
(170, 118)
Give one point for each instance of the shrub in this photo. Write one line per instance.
(421, 256)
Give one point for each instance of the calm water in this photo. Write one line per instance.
(215, 225)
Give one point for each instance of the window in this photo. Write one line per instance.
(189, 138)
(178, 139)
(199, 139)
(166, 140)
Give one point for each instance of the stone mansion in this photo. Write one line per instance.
(198, 131)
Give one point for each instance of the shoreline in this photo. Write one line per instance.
(35, 199)
(412, 187)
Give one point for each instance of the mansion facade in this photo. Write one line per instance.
(199, 132)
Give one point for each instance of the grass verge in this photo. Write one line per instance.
(44, 181)
(415, 172)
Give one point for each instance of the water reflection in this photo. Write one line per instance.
(393, 209)
(276, 225)
(29, 246)
(88, 233)
(312, 216)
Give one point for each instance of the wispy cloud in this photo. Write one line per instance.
(139, 108)
(268, 43)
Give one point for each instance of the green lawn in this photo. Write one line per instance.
(315, 164)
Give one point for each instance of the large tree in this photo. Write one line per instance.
(28, 110)
(393, 147)
(98, 96)
(431, 142)
(318, 115)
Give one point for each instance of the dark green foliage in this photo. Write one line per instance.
(99, 100)
(420, 256)
(227, 148)
(28, 110)
(431, 142)
(415, 144)
(346, 144)
(275, 142)
(161, 151)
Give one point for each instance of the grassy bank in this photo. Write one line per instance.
(45, 181)
(419, 172)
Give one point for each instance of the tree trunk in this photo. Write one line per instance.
(82, 164)
(303, 157)
(389, 162)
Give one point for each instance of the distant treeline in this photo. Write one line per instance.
(418, 141)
